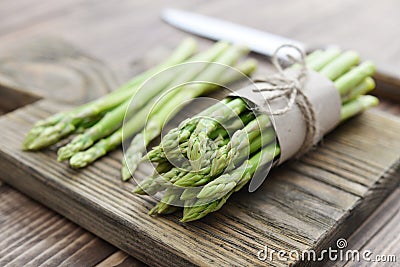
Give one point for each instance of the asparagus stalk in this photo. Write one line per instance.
(175, 138)
(319, 62)
(340, 65)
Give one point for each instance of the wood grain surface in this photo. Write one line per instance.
(33, 235)
(13, 98)
(380, 234)
(48, 62)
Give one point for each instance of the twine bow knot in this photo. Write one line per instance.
(291, 87)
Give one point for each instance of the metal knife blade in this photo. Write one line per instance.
(216, 29)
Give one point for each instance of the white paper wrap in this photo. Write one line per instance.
(290, 128)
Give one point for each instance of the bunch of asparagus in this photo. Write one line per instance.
(103, 124)
(213, 161)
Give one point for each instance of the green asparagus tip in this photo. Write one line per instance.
(248, 67)
(163, 208)
(186, 219)
(37, 144)
(191, 216)
(79, 160)
(29, 138)
(26, 144)
(168, 210)
(125, 174)
(197, 212)
(65, 153)
(154, 210)
(138, 190)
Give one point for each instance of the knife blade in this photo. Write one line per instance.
(388, 82)
(258, 41)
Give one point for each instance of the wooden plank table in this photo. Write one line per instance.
(60, 19)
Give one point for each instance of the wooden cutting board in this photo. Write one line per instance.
(304, 204)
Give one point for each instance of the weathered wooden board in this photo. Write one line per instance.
(53, 68)
(33, 235)
(12, 98)
(379, 234)
(304, 204)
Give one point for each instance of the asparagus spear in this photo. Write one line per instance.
(169, 200)
(319, 62)
(354, 77)
(174, 138)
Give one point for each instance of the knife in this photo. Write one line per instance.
(261, 42)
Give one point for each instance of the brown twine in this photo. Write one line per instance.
(291, 87)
